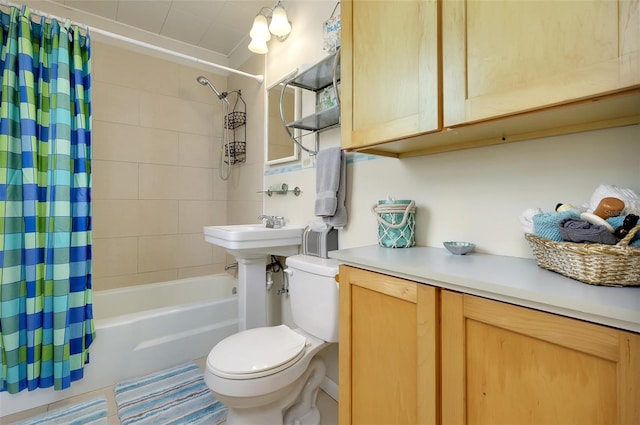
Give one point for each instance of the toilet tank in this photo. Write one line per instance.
(313, 293)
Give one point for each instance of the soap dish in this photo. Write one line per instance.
(459, 248)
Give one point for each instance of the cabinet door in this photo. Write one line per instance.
(389, 66)
(503, 364)
(387, 350)
(503, 57)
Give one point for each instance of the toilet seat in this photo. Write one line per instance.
(255, 353)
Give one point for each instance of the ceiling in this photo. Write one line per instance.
(217, 25)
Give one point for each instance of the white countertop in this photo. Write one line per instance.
(510, 279)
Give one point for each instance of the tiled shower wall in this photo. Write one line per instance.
(156, 134)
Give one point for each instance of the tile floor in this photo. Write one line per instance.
(328, 407)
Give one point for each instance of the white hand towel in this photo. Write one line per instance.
(328, 167)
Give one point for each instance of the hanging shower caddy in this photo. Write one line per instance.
(235, 150)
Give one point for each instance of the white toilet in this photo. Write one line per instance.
(271, 375)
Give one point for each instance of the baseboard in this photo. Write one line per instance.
(330, 387)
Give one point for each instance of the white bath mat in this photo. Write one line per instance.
(88, 412)
(172, 396)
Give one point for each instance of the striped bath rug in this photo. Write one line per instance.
(88, 412)
(172, 396)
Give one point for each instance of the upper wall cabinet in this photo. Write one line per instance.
(504, 57)
(426, 76)
(389, 70)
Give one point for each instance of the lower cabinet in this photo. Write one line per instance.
(387, 351)
(415, 354)
(503, 364)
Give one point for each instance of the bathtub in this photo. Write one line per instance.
(145, 328)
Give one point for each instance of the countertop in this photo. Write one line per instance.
(509, 279)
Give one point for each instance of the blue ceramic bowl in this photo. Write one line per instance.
(459, 248)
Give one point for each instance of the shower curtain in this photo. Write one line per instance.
(46, 318)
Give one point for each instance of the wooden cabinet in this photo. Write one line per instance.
(503, 364)
(390, 73)
(414, 354)
(388, 334)
(426, 76)
(505, 57)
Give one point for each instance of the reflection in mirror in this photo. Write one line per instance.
(280, 148)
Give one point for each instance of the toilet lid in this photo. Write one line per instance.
(256, 352)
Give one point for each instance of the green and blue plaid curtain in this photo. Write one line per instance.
(46, 317)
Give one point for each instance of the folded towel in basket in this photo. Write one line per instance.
(573, 230)
(546, 224)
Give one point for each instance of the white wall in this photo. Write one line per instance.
(476, 194)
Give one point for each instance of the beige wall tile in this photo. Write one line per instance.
(159, 182)
(194, 251)
(172, 113)
(129, 143)
(158, 111)
(218, 149)
(115, 103)
(115, 256)
(220, 186)
(196, 183)
(108, 66)
(194, 215)
(141, 71)
(157, 217)
(158, 146)
(115, 218)
(222, 258)
(116, 142)
(186, 272)
(244, 211)
(197, 151)
(158, 253)
(114, 180)
(200, 118)
(161, 77)
(113, 282)
(247, 183)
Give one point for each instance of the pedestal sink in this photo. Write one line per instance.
(252, 244)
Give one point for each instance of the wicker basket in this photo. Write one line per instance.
(596, 264)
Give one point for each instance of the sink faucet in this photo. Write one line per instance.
(272, 221)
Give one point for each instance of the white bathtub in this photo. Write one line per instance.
(145, 328)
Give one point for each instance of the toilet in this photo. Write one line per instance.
(271, 375)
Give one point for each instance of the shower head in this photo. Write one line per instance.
(205, 82)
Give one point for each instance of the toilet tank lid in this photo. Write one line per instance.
(315, 265)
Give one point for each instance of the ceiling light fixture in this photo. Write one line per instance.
(261, 30)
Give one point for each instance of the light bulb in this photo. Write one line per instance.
(258, 45)
(260, 29)
(280, 25)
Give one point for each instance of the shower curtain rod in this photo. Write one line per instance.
(259, 78)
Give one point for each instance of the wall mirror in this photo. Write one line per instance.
(280, 148)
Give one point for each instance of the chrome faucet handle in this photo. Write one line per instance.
(278, 222)
(268, 222)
